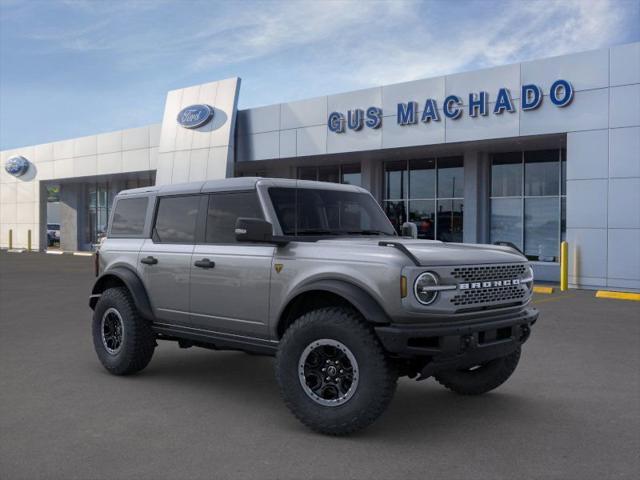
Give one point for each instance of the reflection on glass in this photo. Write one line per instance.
(423, 214)
(541, 223)
(422, 178)
(450, 177)
(563, 168)
(506, 221)
(395, 179)
(541, 173)
(397, 214)
(329, 174)
(506, 175)
(307, 173)
(351, 175)
(449, 226)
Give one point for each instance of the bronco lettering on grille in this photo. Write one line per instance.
(488, 284)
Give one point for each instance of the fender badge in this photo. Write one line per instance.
(278, 267)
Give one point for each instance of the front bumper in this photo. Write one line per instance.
(459, 345)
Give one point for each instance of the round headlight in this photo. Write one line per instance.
(423, 288)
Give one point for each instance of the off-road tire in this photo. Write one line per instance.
(481, 380)
(377, 374)
(138, 342)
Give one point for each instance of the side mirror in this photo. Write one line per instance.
(409, 229)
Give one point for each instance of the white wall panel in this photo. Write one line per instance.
(624, 203)
(587, 248)
(85, 166)
(588, 154)
(110, 163)
(135, 138)
(587, 111)
(585, 71)
(311, 141)
(489, 80)
(625, 106)
(624, 254)
(63, 149)
(303, 113)
(625, 64)
(288, 143)
(468, 128)
(63, 168)
(85, 146)
(110, 142)
(624, 152)
(43, 153)
(587, 203)
(394, 135)
(135, 160)
(417, 90)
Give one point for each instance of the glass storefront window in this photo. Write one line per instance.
(349, 174)
(422, 178)
(423, 214)
(397, 213)
(433, 190)
(395, 180)
(450, 220)
(541, 173)
(506, 220)
(506, 175)
(450, 177)
(533, 218)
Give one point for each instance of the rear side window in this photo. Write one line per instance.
(176, 219)
(128, 216)
(224, 209)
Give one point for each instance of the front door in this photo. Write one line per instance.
(230, 280)
(165, 259)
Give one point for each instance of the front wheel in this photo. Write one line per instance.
(333, 373)
(480, 378)
(123, 340)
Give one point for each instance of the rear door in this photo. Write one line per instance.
(230, 280)
(165, 258)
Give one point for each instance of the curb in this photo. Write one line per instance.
(54, 252)
(83, 254)
(545, 290)
(634, 297)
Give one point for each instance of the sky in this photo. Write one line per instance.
(70, 68)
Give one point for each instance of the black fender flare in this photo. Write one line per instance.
(133, 283)
(357, 296)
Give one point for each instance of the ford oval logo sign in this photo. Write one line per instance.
(17, 166)
(195, 116)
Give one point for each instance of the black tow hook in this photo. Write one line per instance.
(468, 342)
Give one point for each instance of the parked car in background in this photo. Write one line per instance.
(53, 234)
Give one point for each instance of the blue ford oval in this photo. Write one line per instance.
(16, 166)
(195, 116)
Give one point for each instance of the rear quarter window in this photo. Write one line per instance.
(129, 216)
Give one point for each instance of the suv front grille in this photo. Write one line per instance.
(491, 272)
(490, 294)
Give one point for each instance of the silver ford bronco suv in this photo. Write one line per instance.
(315, 274)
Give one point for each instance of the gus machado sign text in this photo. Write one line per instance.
(560, 95)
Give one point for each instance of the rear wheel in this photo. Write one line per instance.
(332, 372)
(123, 340)
(480, 378)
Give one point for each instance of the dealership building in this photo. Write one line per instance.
(531, 153)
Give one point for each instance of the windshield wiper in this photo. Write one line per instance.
(318, 231)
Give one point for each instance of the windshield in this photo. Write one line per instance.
(310, 211)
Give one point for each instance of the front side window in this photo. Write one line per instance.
(176, 219)
(308, 211)
(223, 212)
(129, 216)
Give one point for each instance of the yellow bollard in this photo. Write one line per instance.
(29, 240)
(10, 239)
(564, 266)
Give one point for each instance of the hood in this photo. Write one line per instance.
(434, 253)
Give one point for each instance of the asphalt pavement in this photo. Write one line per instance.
(571, 410)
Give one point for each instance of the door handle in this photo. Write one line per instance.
(204, 263)
(149, 260)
